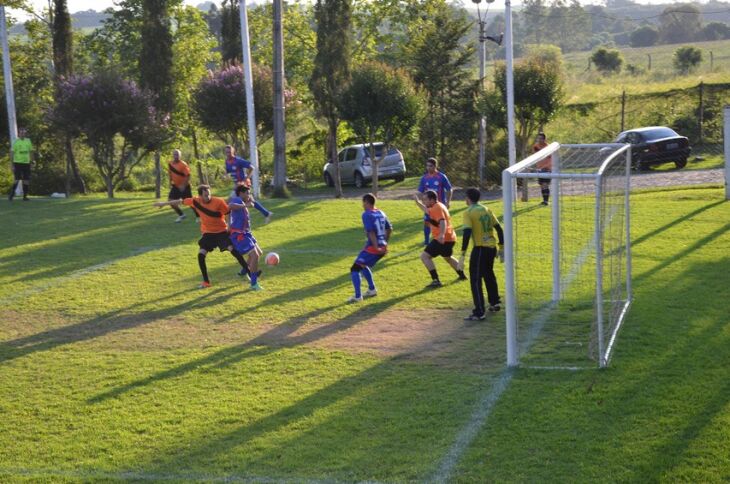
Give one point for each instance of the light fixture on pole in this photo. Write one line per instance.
(483, 37)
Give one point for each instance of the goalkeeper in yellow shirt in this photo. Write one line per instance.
(482, 226)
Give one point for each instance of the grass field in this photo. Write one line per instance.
(113, 367)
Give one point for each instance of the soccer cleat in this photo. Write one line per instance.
(434, 284)
(462, 276)
(475, 317)
(244, 272)
(495, 308)
(180, 218)
(354, 299)
(544, 202)
(267, 219)
(256, 287)
(371, 293)
(204, 285)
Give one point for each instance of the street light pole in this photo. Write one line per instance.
(8, 75)
(482, 118)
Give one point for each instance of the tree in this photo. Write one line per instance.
(331, 72)
(607, 60)
(230, 32)
(439, 59)
(220, 103)
(380, 104)
(645, 36)
(687, 58)
(538, 91)
(115, 119)
(155, 60)
(716, 31)
(680, 23)
(63, 67)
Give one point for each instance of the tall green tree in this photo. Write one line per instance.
(63, 67)
(230, 32)
(381, 105)
(155, 60)
(331, 72)
(439, 60)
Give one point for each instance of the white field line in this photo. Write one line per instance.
(154, 476)
(71, 276)
(486, 403)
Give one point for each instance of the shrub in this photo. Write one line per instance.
(607, 60)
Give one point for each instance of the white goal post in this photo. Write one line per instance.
(568, 266)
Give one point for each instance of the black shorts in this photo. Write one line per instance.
(177, 194)
(436, 248)
(210, 242)
(21, 171)
(544, 181)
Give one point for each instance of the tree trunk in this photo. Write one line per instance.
(158, 175)
(80, 183)
(109, 186)
(196, 154)
(67, 178)
(279, 129)
(332, 137)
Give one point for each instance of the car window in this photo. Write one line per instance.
(659, 133)
(621, 138)
(351, 154)
(392, 151)
(341, 156)
(633, 138)
(378, 151)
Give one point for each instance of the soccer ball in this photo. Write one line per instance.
(272, 259)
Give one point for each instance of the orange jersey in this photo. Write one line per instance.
(212, 214)
(179, 173)
(439, 212)
(545, 163)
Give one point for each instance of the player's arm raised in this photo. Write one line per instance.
(417, 198)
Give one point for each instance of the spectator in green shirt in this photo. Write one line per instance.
(21, 154)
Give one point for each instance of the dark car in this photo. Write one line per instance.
(656, 145)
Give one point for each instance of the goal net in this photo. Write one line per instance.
(568, 264)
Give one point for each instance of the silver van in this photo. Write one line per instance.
(356, 166)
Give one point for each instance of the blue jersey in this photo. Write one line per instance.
(236, 168)
(240, 220)
(376, 221)
(438, 182)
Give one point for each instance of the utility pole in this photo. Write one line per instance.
(250, 113)
(8, 75)
(509, 54)
(279, 128)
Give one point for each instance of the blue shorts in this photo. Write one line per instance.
(365, 258)
(243, 242)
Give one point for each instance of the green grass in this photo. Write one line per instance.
(113, 367)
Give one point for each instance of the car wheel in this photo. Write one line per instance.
(680, 163)
(328, 180)
(643, 166)
(359, 181)
(399, 178)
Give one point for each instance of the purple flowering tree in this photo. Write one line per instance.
(114, 117)
(220, 103)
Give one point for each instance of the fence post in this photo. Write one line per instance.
(623, 109)
(726, 131)
(701, 117)
(649, 56)
(712, 62)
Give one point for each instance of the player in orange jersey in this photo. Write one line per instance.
(443, 236)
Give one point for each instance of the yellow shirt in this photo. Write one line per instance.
(481, 221)
(21, 150)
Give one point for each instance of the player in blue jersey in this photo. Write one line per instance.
(240, 169)
(378, 230)
(240, 233)
(434, 180)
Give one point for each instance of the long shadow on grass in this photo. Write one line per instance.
(674, 223)
(278, 337)
(102, 325)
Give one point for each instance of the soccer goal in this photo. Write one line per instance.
(568, 265)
